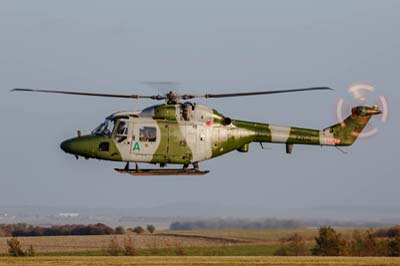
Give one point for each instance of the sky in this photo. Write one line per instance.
(208, 47)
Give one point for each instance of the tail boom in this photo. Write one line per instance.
(344, 133)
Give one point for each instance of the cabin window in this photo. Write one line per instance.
(148, 134)
(104, 146)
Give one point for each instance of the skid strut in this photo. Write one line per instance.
(163, 171)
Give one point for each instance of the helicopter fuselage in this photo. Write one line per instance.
(188, 133)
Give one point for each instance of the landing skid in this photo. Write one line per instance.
(159, 172)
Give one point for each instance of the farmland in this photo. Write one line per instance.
(50, 244)
(202, 247)
(202, 242)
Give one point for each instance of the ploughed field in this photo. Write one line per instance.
(194, 261)
(51, 244)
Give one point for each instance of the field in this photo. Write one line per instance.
(205, 247)
(53, 244)
(203, 242)
(225, 242)
(194, 261)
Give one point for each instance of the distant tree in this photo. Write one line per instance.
(388, 232)
(31, 251)
(2, 232)
(235, 223)
(293, 246)
(138, 230)
(394, 231)
(283, 250)
(297, 245)
(329, 243)
(114, 249)
(366, 244)
(120, 230)
(394, 247)
(129, 247)
(14, 247)
(22, 229)
(151, 228)
(179, 226)
(92, 229)
(5, 230)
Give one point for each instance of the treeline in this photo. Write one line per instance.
(218, 224)
(381, 243)
(57, 230)
(22, 229)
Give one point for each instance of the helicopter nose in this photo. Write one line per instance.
(82, 146)
(66, 145)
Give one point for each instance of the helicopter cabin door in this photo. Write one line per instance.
(145, 141)
(122, 137)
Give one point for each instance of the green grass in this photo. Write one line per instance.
(235, 250)
(251, 250)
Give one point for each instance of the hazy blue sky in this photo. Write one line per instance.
(208, 46)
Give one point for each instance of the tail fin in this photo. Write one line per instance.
(346, 132)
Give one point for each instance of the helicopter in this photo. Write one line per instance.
(184, 133)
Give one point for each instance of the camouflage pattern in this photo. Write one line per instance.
(188, 133)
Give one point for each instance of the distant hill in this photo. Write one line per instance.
(167, 213)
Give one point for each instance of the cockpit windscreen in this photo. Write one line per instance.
(105, 128)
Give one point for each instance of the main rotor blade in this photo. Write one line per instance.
(222, 95)
(132, 96)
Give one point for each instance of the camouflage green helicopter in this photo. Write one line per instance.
(182, 132)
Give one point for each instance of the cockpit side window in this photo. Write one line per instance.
(121, 131)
